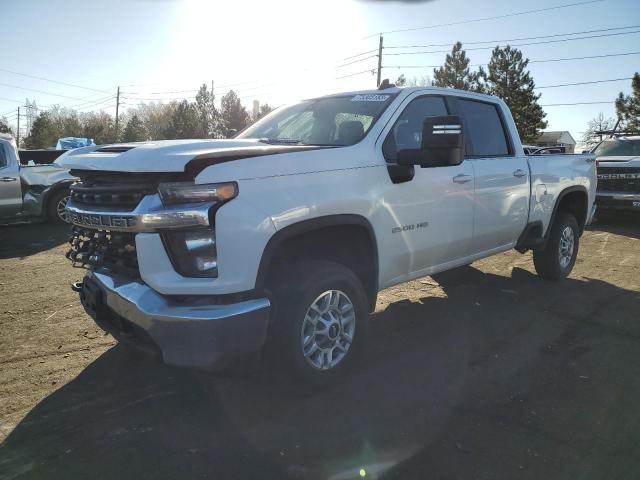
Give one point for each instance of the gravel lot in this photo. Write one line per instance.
(486, 372)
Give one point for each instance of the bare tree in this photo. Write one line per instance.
(597, 124)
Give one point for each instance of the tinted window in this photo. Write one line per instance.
(484, 128)
(620, 147)
(407, 131)
(3, 156)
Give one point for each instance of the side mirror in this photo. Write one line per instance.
(442, 144)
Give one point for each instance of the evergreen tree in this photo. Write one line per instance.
(233, 115)
(455, 72)
(207, 113)
(44, 133)
(508, 78)
(134, 131)
(628, 107)
(4, 126)
(183, 122)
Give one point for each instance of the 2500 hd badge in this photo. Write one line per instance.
(406, 228)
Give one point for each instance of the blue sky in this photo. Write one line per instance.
(280, 51)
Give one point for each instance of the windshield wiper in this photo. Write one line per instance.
(280, 141)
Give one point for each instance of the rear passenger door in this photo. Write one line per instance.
(501, 176)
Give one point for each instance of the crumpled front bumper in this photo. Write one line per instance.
(206, 336)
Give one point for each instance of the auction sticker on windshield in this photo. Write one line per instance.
(371, 97)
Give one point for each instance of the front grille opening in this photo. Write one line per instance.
(619, 185)
(117, 190)
(103, 249)
(127, 196)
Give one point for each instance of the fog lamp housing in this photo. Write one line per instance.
(193, 252)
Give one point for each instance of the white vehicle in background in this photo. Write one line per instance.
(207, 250)
(619, 172)
(26, 192)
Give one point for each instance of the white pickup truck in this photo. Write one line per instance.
(207, 250)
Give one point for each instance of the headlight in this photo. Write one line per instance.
(186, 192)
(193, 253)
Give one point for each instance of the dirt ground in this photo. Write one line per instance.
(486, 372)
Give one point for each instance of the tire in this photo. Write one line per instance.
(316, 284)
(57, 199)
(552, 263)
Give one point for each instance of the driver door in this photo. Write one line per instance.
(431, 213)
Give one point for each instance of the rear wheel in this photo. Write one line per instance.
(321, 321)
(559, 255)
(56, 205)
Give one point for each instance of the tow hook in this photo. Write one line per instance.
(77, 286)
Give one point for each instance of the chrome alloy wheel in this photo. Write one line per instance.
(61, 208)
(328, 329)
(567, 244)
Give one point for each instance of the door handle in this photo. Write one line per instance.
(8, 179)
(462, 178)
(519, 173)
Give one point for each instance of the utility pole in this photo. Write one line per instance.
(18, 131)
(117, 108)
(379, 61)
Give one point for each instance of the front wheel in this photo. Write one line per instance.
(321, 321)
(56, 205)
(559, 255)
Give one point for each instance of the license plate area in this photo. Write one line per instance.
(92, 297)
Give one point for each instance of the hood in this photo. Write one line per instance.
(158, 156)
(190, 156)
(626, 158)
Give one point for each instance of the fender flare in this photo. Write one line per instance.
(309, 225)
(561, 195)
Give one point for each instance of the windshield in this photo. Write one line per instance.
(335, 121)
(621, 147)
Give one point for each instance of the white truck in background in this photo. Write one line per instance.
(207, 250)
(31, 191)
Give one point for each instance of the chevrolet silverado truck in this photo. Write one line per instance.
(210, 250)
(618, 165)
(27, 192)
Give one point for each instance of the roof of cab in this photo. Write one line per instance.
(408, 90)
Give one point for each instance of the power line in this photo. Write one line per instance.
(575, 103)
(530, 61)
(371, 70)
(359, 54)
(585, 83)
(522, 44)
(517, 39)
(585, 58)
(356, 61)
(40, 91)
(496, 17)
(50, 80)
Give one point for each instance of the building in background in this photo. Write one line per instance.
(554, 139)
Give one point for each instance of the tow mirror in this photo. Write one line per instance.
(442, 144)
